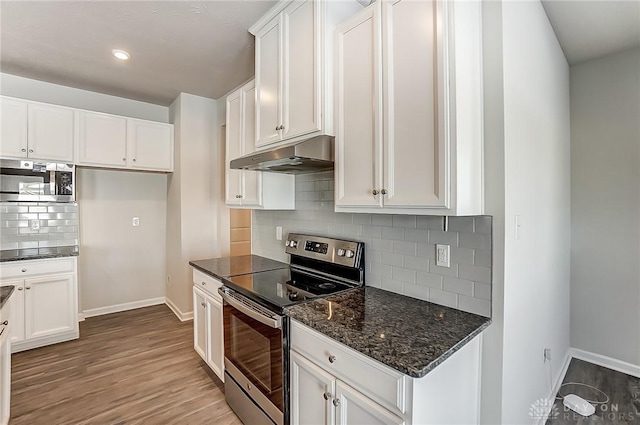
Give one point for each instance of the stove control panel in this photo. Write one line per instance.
(337, 251)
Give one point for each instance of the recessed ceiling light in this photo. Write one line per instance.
(121, 54)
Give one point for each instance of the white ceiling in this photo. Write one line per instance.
(588, 29)
(202, 48)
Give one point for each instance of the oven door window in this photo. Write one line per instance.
(256, 350)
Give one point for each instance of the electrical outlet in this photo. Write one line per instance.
(278, 233)
(443, 255)
(34, 224)
(547, 354)
(136, 221)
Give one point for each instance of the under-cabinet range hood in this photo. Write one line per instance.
(310, 156)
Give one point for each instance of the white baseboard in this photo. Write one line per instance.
(81, 317)
(182, 316)
(556, 387)
(608, 362)
(122, 307)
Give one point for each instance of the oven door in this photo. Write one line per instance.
(254, 352)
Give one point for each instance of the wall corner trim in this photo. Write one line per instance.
(183, 317)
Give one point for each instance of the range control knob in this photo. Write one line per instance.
(292, 244)
(286, 243)
(340, 252)
(349, 254)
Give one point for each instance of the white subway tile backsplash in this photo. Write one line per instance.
(400, 249)
(381, 220)
(475, 273)
(459, 286)
(448, 299)
(58, 225)
(392, 259)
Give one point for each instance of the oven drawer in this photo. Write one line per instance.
(28, 268)
(377, 381)
(207, 283)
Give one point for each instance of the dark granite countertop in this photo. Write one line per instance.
(38, 253)
(5, 293)
(404, 333)
(224, 267)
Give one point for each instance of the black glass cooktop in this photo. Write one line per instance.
(284, 287)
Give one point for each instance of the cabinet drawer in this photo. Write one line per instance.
(207, 283)
(377, 381)
(18, 269)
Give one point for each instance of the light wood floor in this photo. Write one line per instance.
(134, 367)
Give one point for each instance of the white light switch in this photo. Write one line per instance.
(443, 255)
(136, 221)
(278, 233)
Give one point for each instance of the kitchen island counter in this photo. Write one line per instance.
(407, 334)
(224, 267)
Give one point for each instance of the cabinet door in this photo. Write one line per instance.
(215, 340)
(233, 183)
(51, 132)
(50, 306)
(356, 409)
(312, 393)
(415, 146)
(102, 140)
(16, 313)
(149, 145)
(200, 323)
(251, 180)
(301, 65)
(13, 128)
(358, 110)
(268, 83)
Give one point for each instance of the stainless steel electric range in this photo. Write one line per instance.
(256, 330)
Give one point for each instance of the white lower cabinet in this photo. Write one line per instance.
(208, 340)
(332, 384)
(44, 305)
(5, 363)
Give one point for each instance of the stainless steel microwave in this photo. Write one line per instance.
(36, 181)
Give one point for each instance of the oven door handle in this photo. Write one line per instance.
(250, 308)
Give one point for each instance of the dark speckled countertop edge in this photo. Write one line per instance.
(5, 294)
(38, 253)
(268, 265)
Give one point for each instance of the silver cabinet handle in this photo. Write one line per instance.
(326, 395)
(204, 284)
(332, 359)
(134, 160)
(336, 402)
(124, 159)
(20, 288)
(375, 192)
(28, 287)
(23, 150)
(383, 191)
(24, 270)
(5, 323)
(203, 304)
(30, 150)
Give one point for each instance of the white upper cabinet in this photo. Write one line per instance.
(13, 119)
(251, 189)
(112, 141)
(294, 52)
(149, 145)
(103, 140)
(417, 146)
(36, 130)
(51, 132)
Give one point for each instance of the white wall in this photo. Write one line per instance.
(537, 177)
(193, 196)
(527, 158)
(605, 205)
(117, 264)
(120, 263)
